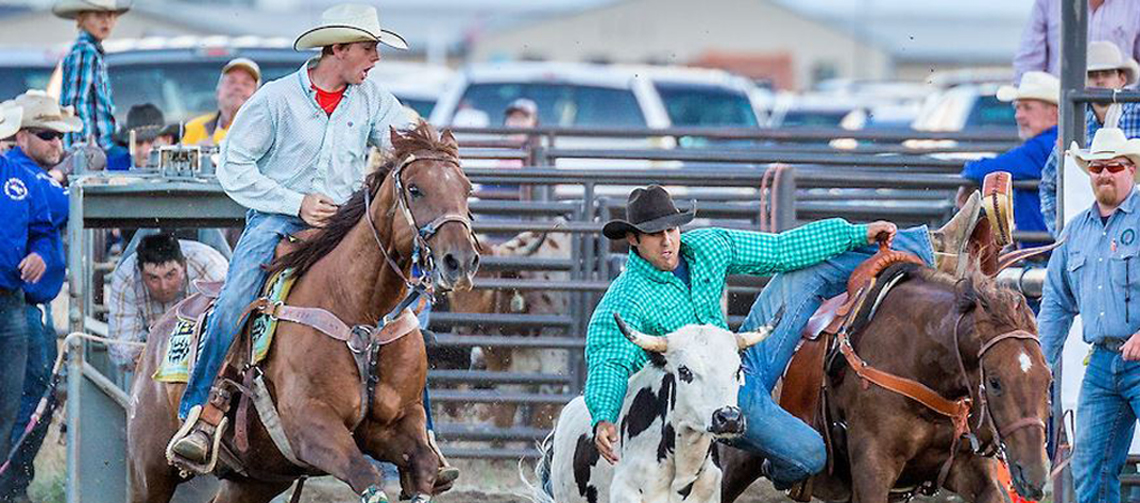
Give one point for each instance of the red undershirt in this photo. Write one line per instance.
(328, 101)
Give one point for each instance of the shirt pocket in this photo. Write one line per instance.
(1076, 269)
(1124, 272)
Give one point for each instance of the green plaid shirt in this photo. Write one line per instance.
(657, 302)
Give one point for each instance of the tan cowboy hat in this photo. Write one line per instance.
(1105, 55)
(10, 116)
(70, 9)
(347, 23)
(1034, 86)
(1108, 143)
(246, 64)
(43, 112)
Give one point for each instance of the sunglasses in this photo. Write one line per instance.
(1112, 167)
(48, 135)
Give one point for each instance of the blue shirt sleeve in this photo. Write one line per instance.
(39, 220)
(1024, 162)
(1048, 192)
(1058, 306)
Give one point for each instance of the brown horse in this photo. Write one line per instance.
(357, 268)
(963, 339)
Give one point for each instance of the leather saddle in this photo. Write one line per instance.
(801, 392)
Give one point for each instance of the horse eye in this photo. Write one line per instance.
(685, 374)
(995, 385)
(415, 191)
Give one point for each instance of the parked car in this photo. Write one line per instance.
(26, 68)
(965, 106)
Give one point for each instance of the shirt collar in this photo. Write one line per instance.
(1128, 206)
(84, 36)
(1048, 131)
(307, 83)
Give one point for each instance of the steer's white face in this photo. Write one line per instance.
(705, 361)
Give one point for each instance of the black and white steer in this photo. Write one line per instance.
(674, 409)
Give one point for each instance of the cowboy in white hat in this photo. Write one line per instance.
(39, 148)
(1095, 272)
(86, 86)
(240, 78)
(1108, 68)
(290, 189)
(24, 244)
(1035, 104)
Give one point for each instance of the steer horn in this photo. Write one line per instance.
(748, 339)
(646, 342)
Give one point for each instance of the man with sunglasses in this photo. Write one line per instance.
(1096, 273)
(25, 240)
(39, 148)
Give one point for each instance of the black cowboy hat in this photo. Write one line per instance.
(146, 120)
(648, 211)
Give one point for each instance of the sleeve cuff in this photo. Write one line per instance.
(292, 203)
(859, 235)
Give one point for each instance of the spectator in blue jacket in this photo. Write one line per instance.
(39, 148)
(25, 239)
(1035, 101)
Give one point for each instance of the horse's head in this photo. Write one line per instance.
(1015, 380)
(426, 193)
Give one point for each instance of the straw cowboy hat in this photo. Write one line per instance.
(1107, 56)
(43, 112)
(1034, 86)
(10, 116)
(70, 9)
(1108, 143)
(347, 23)
(649, 210)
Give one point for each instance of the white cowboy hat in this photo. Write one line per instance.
(10, 116)
(1034, 86)
(43, 112)
(1108, 143)
(347, 23)
(70, 9)
(1105, 55)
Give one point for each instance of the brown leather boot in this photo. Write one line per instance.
(194, 448)
(949, 241)
(447, 474)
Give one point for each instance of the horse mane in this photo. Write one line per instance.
(327, 238)
(1000, 304)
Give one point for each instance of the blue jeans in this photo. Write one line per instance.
(244, 282)
(42, 352)
(1106, 417)
(13, 358)
(795, 450)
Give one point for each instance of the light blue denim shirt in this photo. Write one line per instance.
(282, 146)
(1095, 273)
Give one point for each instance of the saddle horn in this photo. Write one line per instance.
(748, 339)
(646, 342)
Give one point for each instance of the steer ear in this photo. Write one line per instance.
(646, 342)
(748, 339)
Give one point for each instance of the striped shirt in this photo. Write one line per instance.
(133, 311)
(657, 302)
(1116, 21)
(282, 145)
(87, 88)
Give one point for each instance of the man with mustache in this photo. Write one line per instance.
(1096, 273)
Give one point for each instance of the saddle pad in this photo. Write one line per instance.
(175, 365)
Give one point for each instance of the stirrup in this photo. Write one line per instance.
(188, 467)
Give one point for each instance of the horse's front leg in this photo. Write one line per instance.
(874, 470)
(405, 444)
(320, 438)
(974, 478)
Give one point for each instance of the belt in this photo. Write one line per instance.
(1112, 344)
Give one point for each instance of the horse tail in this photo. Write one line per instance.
(544, 491)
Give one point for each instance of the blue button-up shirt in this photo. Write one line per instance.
(56, 197)
(1024, 162)
(282, 146)
(1129, 123)
(1095, 273)
(27, 222)
(87, 88)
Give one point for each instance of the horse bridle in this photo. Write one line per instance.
(986, 417)
(421, 250)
